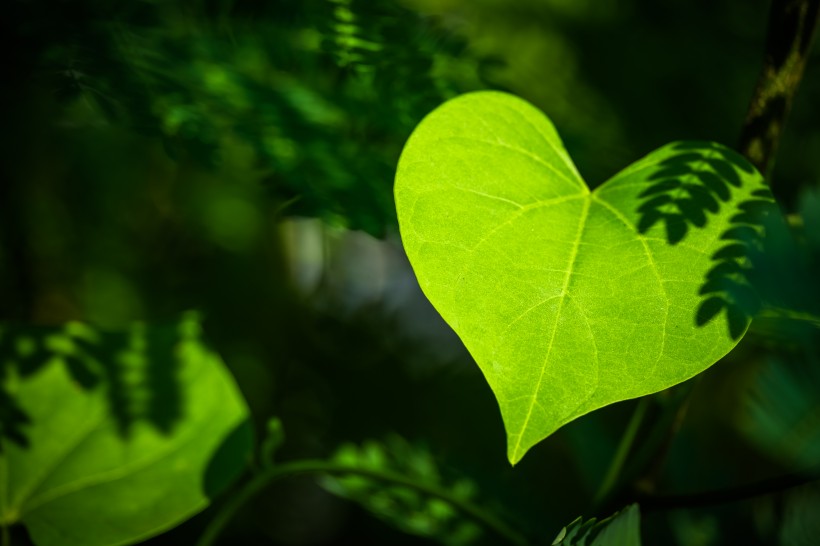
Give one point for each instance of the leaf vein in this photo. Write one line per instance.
(573, 256)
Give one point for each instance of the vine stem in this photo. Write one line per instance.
(319, 467)
(768, 486)
(624, 448)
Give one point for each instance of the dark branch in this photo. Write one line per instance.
(792, 25)
(768, 486)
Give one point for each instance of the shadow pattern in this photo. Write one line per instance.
(686, 189)
(137, 367)
(688, 186)
(732, 285)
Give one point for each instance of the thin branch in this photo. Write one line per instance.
(792, 25)
(319, 467)
(768, 486)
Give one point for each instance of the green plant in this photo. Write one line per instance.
(651, 341)
(569, 299)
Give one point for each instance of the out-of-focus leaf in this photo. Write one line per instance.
(781, 413)
(801, 526)
(693, 529)
(407, 509)
(784, 269)
(570, 300)
(85, 475)
(620, 529)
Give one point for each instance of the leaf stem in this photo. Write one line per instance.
(664, 414)
(622, 451)
(319, 467)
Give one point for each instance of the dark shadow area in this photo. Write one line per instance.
(12, 419)
(688, 187)
(730, 285)
(138, 368)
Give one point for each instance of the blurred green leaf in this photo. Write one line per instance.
(570, 300)
(406, 509)
(85, 476)
(784, 269)
(620, 529)
(781, 411)
(801, 526)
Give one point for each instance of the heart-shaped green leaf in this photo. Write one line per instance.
(570, 300)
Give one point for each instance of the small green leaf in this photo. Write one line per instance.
(620, 529)
(570, 300)
(157, 430)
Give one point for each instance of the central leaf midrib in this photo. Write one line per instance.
(573, 257)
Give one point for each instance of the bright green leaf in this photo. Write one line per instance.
(570, 300)
(155, 429)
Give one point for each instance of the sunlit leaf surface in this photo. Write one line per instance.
(568, 299)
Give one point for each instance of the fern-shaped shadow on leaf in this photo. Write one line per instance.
(730, 285)
(137, 367)
(689, 186)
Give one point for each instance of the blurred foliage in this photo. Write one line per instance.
(783, 269)
(307, 86)
(782, 411)
(801, 527)
(407, 509)
(152, 150)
